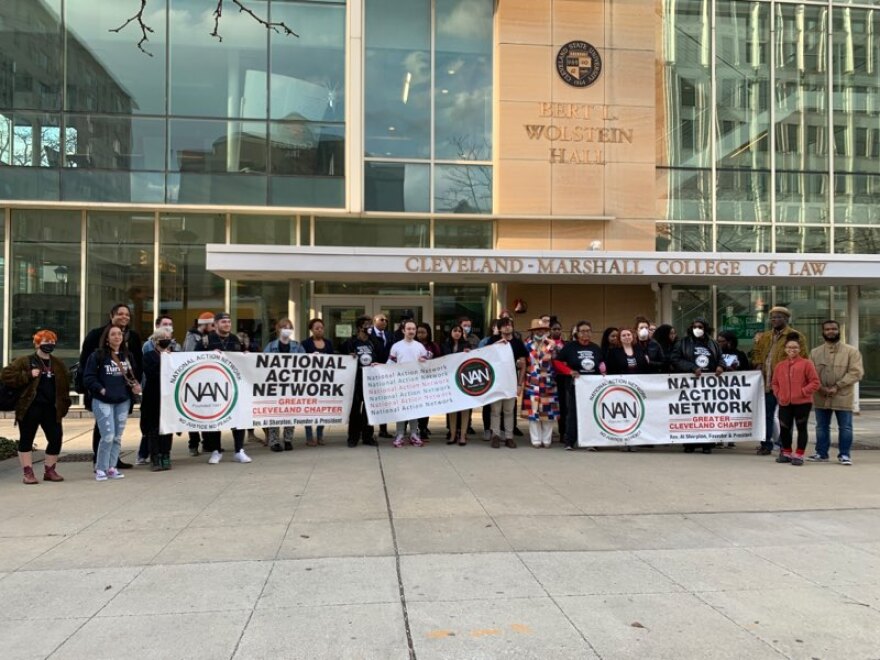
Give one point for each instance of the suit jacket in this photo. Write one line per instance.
(386, 344)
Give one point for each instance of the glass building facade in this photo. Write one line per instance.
(376, 126)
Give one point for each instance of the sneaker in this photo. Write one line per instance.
(142, 461)
(818, 458)
(194, 452)
(783, 458)
(398, 441)
(416, 441)
(844, 460)
(797, 460)
(241, 457)
(569, 448)
(113, 473)
(100, 475)
(215, 457)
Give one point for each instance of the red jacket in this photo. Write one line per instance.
(794, 381)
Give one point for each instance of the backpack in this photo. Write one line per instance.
(9, 396)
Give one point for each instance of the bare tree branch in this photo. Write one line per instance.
(277, 26)
(139, 17)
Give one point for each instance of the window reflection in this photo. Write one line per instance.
(372, 232)
(857, 199)
(802, 239)
(396, 187)
(30, 54)
(684, 194)
(462, 189)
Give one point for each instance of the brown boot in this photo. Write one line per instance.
(29, 476)
(510, 443)
(49, 474)
(496, 442)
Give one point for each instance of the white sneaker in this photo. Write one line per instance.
(142, 461)
(100, 475)
(241, 457)
(844, 460)
(113, 473)
(215, 457)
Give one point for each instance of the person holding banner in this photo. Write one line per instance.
(316, 343)
(584, 358)
(506, 407)
(366, 348)
(563, 379)
(794, 381)
(540, 401)
(404, 351)
(697, 353)
(629, 357)
(457, 422)
(223, 340)
(158, 445)
(285, 343)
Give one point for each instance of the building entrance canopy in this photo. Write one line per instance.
(350, 264)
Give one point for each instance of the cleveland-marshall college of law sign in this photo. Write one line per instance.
(578, 64)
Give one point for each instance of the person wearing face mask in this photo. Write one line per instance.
(697, 353)
(43, 403)
(652, 350)
(158, 445)
(767, 352)
(467, 327)
(365, 347)
(839, 366)
(285, 343)
(540, 400)
(143, 453)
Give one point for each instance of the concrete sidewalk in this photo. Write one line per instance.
(444, 552)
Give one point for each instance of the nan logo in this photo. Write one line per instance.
(206, 393)
(619, 410)
(578, 64)
(475, 377)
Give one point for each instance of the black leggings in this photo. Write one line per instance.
(797, 414)
(40, 417)
(211, 440)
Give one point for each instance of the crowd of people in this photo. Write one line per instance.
(116, 370)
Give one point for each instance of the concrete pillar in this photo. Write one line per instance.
(294, 306)
(665, 304)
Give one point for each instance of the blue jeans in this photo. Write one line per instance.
(823, 431)
(770, 410)
(110, 418)
(310, 430)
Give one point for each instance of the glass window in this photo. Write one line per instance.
(45, 279)
(463, 234)
(856, 240)
(451, 302)
(396, 187)
(119, 258)
(680, 237)
(741, 310)
(372, 232)
(106, 72)
(856, 59)
(462, 189)
(801, 197)
(397, 73)
(684, 194)
(30, 54)
(742, 72)
(257, 307)
(463, 79)
(216, 146)
(857, 199)
(683, 136)
(689, 303)
(802, 239)
(106, 186)
(213, 80)
(186, 288)
(809, 306)
(309, 191)
(308, 72)
(801, 87)
(869, 340)
(29, 183)
(307, 148)
(115, 143)
(237, 189)
(744, 238)
(743, 195)
(263, 230)
(31, 140)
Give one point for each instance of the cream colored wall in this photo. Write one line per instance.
(529, 34)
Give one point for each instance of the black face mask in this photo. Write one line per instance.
(163, 343)
(832, 337)
(47, 348)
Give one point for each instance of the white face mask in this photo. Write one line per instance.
(539, 336)
(286, 333)
(643, 334)
(698, 332)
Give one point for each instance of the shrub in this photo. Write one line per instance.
(8, 448)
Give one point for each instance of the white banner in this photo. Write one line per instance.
(669, 409)
(211, 391)
(461, 381)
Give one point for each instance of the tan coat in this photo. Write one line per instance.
(838, 365)
(765, 346)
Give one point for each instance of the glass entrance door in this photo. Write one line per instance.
(339, 313)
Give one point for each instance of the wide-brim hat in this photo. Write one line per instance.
(780, 310)
(538, 324)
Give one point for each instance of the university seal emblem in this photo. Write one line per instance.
(578, 64)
